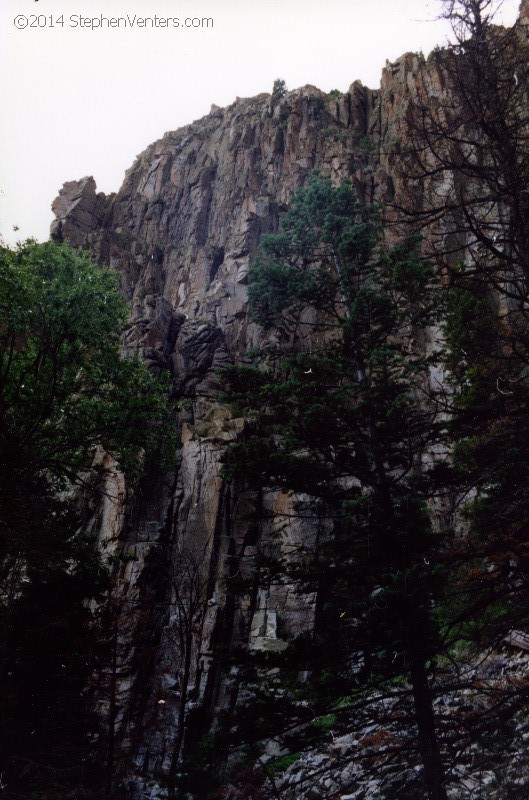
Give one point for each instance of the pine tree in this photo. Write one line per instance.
(341, 414)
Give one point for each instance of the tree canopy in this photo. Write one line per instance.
(65, 392)
(342, 414)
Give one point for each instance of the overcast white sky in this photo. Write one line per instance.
(85, 101)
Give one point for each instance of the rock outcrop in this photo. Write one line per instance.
(79, 212)
(181, 233)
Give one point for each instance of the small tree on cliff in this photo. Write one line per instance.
(279, 89)
(64, 390)
(340, 415)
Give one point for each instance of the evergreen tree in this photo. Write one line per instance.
(64, 392)
(341, 414)
(488, 407)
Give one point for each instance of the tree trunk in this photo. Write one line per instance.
(434, 775)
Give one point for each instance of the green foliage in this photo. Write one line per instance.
(472, 333)
(65, 387)
(335, 132)
(336, 416)
(325, 242)
(487, 372)
(283, 763)
(326, 722)
(66, 397)
(279, 89)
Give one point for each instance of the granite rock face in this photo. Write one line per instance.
(78, 211)
(181, 232)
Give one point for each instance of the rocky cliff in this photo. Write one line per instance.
(181, 232)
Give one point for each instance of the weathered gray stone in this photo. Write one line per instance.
(181, 233)
(79, 212)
